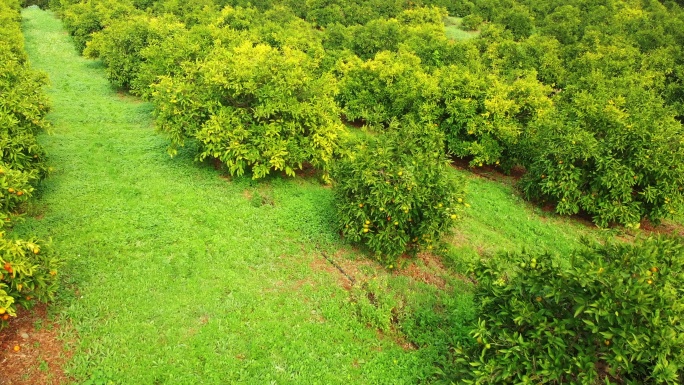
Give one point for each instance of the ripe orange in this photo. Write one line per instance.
(20, 193)
(17, 348)
(654, 269)
(10, 190)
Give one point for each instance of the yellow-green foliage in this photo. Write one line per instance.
(394, 193)
(22, 115)
(253, 107)
(389, 86)
(27, 270)
(485, 116)
(28, 274)
(614, 315)
(120, 46)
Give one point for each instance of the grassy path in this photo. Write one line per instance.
(180, 276)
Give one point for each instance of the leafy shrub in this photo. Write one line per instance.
(22, 115)
(119, 46)
(613, 153)
(614, 315)
(376, 36)
(471, 22)
(391, 85)
(15, 189)
(518, 20)
(423, 15)
(168, 56)
(28, 274)
(394, 193)
(253, 106)
(485, 116)
(82, 19)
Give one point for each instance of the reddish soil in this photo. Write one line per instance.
(40, 355)
(668, 228)
(428, 269)
(491, 172)
(351, 267)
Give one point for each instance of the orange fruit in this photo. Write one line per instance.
(17, 348)
(10, 190)
(20, 193)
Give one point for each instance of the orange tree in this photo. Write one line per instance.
(27, 268)
(394, 192)
(612, 315)
(252, 107)
(613, 149)
(22, 115)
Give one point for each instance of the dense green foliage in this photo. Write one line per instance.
(394, 193)
(253, 107)
(613, 315)
(27, 273)
(120, 46)
(22, 115)
(389, 86)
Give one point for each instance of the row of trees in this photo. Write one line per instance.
(27, 268)
(591, 109)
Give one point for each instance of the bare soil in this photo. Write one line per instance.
(31, 351)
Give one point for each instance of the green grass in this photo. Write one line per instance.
(499, 219)
(177, 276)
(452, 28)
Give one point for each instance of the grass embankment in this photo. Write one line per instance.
(176, 275)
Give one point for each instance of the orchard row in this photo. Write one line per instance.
(27, 268)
